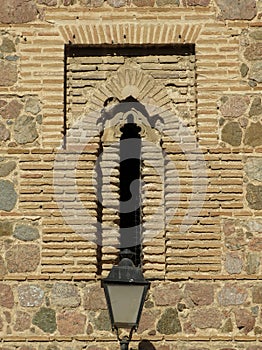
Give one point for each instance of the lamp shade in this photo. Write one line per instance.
(125, 291)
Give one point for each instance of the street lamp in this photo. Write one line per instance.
(125, 290)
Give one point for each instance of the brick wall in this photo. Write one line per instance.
(202, 190)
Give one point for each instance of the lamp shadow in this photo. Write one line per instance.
(146, 345)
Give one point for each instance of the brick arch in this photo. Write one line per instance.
(131, 33)
(128, 81)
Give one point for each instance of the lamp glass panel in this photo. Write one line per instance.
(125, 302)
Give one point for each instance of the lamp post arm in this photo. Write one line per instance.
(124, 343)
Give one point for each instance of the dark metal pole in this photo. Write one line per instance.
(124, 343)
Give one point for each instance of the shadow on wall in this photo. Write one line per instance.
(146, 345)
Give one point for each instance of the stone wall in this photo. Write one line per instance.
(202, 251)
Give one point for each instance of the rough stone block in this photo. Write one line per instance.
(256, 71)
(237, 9)
(25, 129)
(8, 73)
(255, 244)
(206, 318)
(253, 263)
(233, 263)
(232, 294)
(71, 323)
(94, 298)
(256, 34)
(257, 294)
(253, 135)
(8, 195)
(6, 228)
(4, 133)
(102, 321)
(200, 294)
(244, 320)
(7, 45)
(26, 232)
(7, 167)
(18, 11)
(65, 294)
(45, 319)
(6, 296)
(22, 258)
(232, 134)
(148, 320)
(253, 52)
(11, 110)
(254, 196)
(234, 106)
(30, 295)
(169, 322)
(23, 321)
(167, 294)
(253, 169)
(32, 105)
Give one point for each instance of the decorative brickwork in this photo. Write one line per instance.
(201, 170)
(166, 91)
